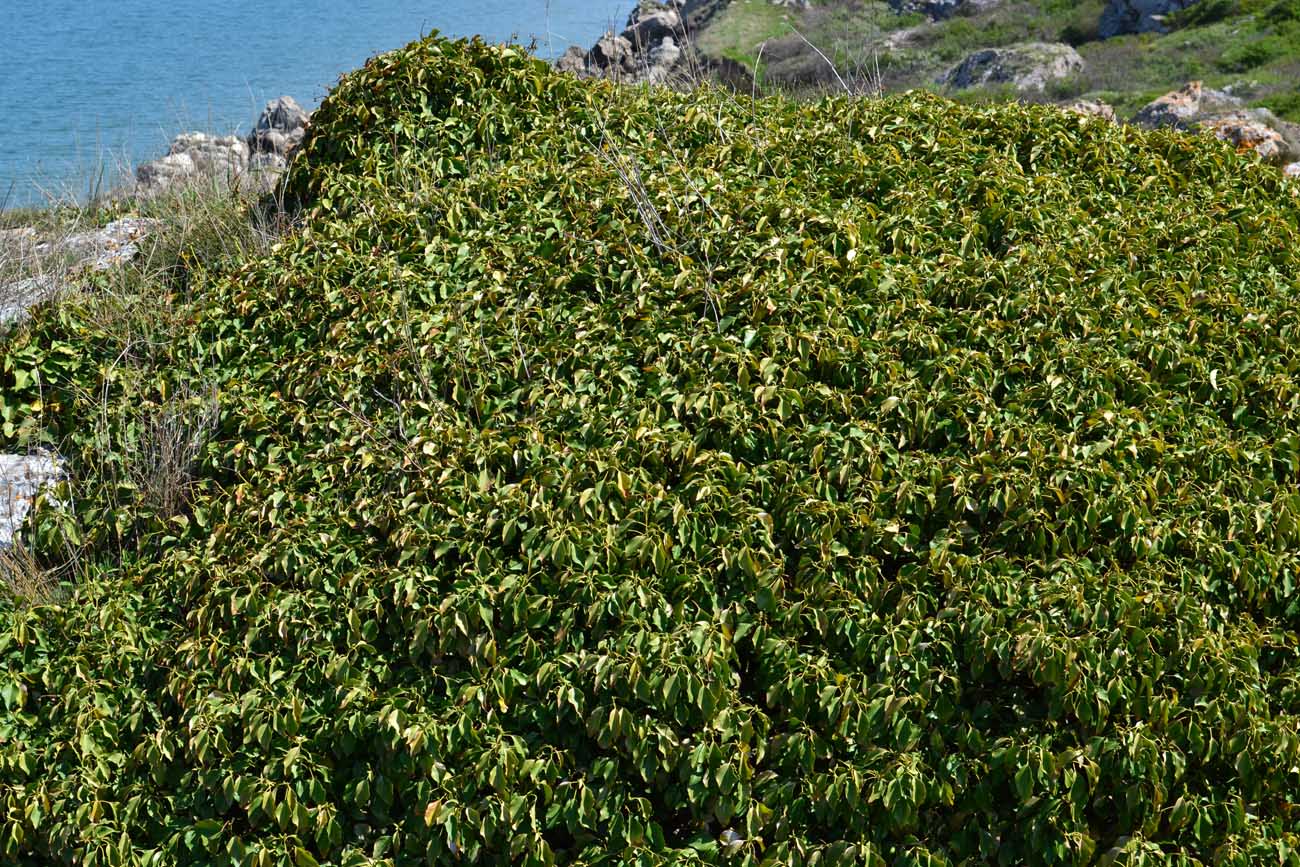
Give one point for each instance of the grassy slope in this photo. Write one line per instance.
(1252, 45)
(610, 476)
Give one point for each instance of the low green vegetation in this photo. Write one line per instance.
(740, 29)
(615, 476)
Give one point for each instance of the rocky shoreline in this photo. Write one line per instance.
(258, 158)
(656, 45)
(253, 163)
(50, 266)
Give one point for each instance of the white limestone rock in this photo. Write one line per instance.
(23, 479)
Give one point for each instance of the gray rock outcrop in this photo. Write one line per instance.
(613, 56)
(1199, 108)
(573, 61)
(648, 25)
(257, 159)
(194, 155)
(1090, 108)
(651, 46)
(280, 128)
(267, 163)
(1027, 66)
(1183, 107)
(225, 155)
(20, 296)
(1137, 16)
(160, 174)
(23, 478)
(1246, 133)
(102, 249)
(56, 265)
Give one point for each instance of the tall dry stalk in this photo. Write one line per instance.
(24, 580)
(169, 441)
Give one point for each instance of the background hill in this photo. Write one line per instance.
(1249, 47)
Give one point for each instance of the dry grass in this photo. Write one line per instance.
(170, 439)
(199, 225)
(24, 580)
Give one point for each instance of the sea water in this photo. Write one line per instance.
(91, 88)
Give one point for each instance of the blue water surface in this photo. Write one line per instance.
(90, 88)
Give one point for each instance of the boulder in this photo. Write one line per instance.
(280, 128)
(647, 25)
(1184, 107)
(194, 155)
(1246, 135)
(661, 60)
(1137, 16)
(1292, 170)
(23, 478)
(1089, 108)
(1289, 132)
(650, 46)
(1027, 66)
(573, 60)
(214, 155)
(1195, 107)
(267, 162)
(160, 174)
(613, 55)
(265, 171)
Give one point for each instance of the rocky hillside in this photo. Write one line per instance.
(1233, 64)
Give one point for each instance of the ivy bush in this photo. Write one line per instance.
(617, 476)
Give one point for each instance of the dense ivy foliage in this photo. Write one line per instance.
(624, 477)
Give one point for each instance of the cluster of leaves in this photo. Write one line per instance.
(615, 476)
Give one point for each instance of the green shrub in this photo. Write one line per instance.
(1285, 105)
(1080, 21)
(616, 476)
(1205, 12)
(1284, 11)
(1079, 33)
(1243, 57)
(1069, 87)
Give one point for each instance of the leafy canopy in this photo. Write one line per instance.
(616, 476)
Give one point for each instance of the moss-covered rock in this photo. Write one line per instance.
(1028, 66)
